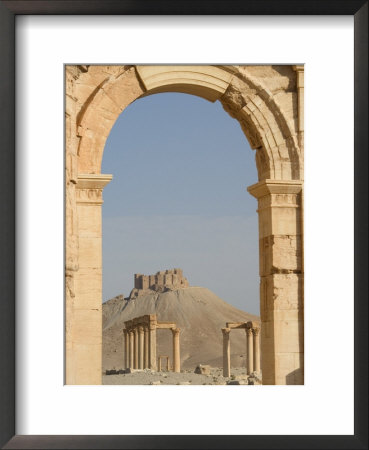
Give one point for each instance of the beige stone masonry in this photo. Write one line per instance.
(160, 358)
(281, 280)
(252, 346)
(208, 82)
(126, 348)
(146, 346)
(268, 103)
(84, 328)
(140, 348)
(176, 350)
(250, 351)
(226, 352)
(256, 349)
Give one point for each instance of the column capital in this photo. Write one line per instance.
(140, 329)
(252, 324)
(267, 187)
(226, 331)
(248, 331)
(93, 180)
(255, 331)
(299, 69)
(175, 331)
(125, 331)
(89, 188)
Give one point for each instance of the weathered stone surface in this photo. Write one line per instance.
(255, 378)
(268, 102)
(203, 369)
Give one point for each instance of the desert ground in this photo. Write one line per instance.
(187, 377)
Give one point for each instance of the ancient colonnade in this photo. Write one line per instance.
(140, 342)
(252, 330)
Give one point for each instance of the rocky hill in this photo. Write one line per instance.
(197, 311)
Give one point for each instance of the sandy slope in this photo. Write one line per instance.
(197, 311)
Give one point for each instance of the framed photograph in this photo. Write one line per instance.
(76, 82)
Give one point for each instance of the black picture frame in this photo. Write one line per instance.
(8, 12)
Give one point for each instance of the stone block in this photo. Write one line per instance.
(202, 369)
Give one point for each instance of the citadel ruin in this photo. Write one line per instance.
(162, 281)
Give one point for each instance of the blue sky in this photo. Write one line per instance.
(178, 198)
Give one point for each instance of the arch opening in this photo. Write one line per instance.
(181, 166)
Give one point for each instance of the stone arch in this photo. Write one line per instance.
(267, 101)
(269, 130)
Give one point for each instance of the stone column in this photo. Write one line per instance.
(140, 347)
(176, 351)
(84, 317)
(226, 352)
(131, 349)
(126, 348)
(256, 346)
(146, 347)
(135, 355)
(281, 280)
(159, 364)
(250, 353)
(152, 331)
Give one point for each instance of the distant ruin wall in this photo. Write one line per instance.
(161, 281)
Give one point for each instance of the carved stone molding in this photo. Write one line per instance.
(89, 188)
(267, 187)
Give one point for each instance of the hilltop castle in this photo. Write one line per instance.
(160, 282)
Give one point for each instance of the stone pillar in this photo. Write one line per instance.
(140, 347)
(152, 331)
(300, 100)
(131, 349)
(256, 347)
(226, 352)
(159, 364)
(146, 347)
(176, 351)
(250, 353)
(281, 280)
(84, 317)
(126, 348)
(135, 355)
